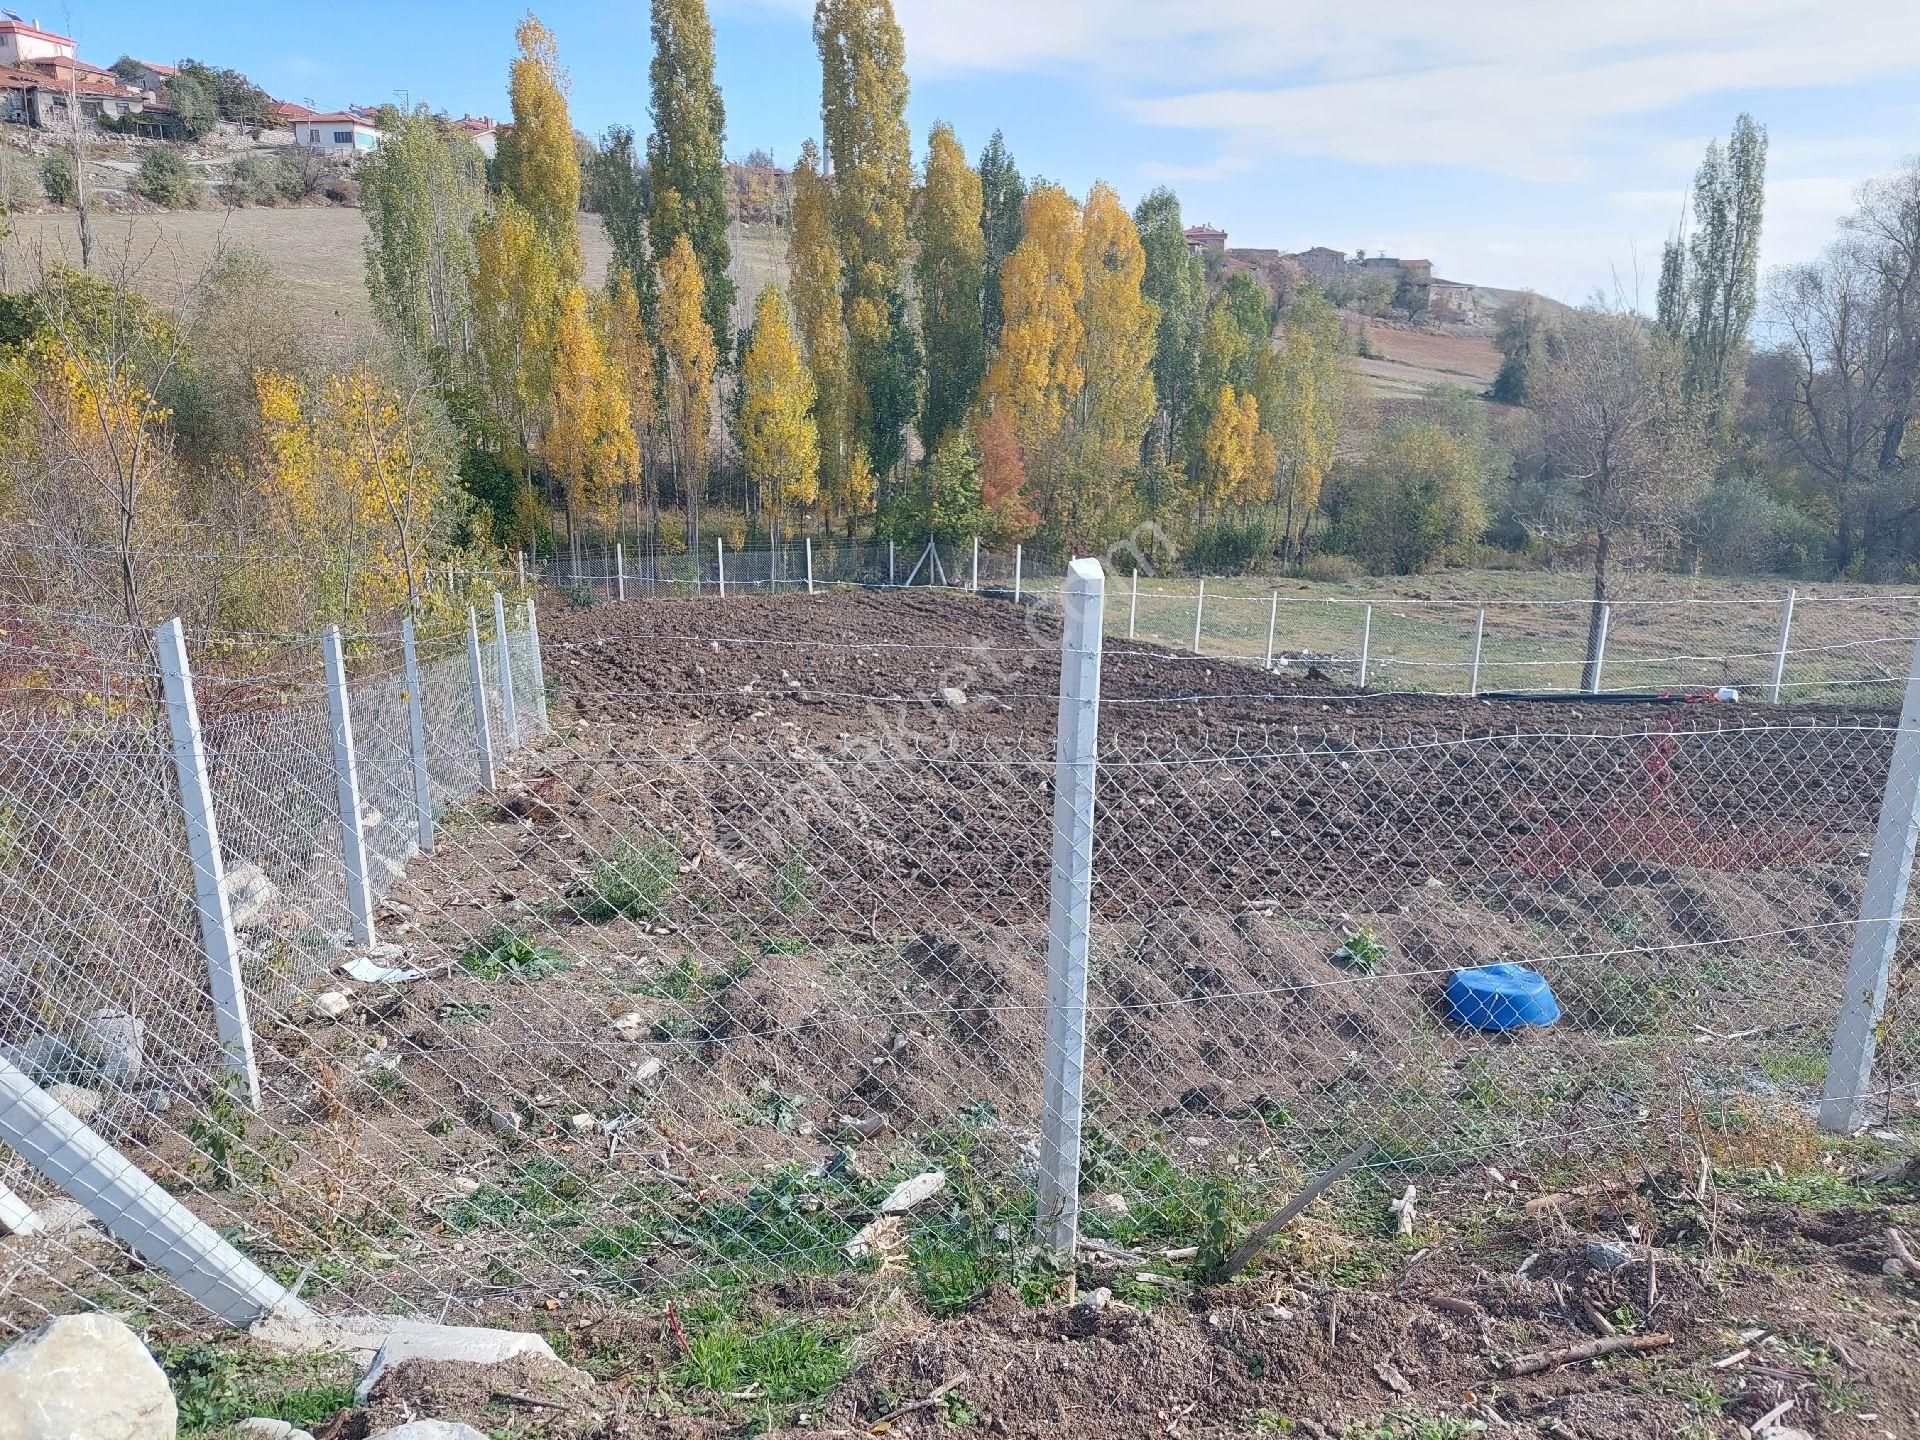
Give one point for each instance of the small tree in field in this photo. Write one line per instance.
(1627, 450)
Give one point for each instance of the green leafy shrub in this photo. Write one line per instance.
(263, 180)
(165, 178)
(56, 178)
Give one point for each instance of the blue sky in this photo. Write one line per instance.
(1530, 143)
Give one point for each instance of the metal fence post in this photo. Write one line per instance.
(1273, 617)
(1600, 648)
(539, 667)
(1889, 871)
(1016, 574)
(504, 650)
(1070, 908)
(224, 980)
(720, 560)
(619, 572)
(1199, 606)
(1780, 655)
(483, 738)
(417, 737)
(117, 1193)
(1479, 633)
(974, 583)
(346, 776)
(809, 565)
(1366, 645)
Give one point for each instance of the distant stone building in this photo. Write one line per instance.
(1451, 300)
(1202, 238)
(1322, 264)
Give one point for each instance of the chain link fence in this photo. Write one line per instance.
(767, 934)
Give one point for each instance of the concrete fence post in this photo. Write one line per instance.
(1889, 873)
(1016, 573)
(1070, 907)
(1273, 619)
(520, 567)
(1133, 601)
(1366, 645)
(809, 565)
(890, 562)
(417, 737)
(1479, 634)
(503, 653)
(482, 733)
(346, 779)
(1780, 654)
(1600, 649)
(974, 583)
(720, 561)
(539, 668)
(1199, 607)
(224, 980)
(619, 572)
(117, 1193)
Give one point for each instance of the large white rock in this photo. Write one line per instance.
(430, 1430)
(84, 1375)
(115, 1042)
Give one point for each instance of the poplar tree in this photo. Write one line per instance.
(869, 156)
(779, 446)
(422, 191)
(1118, 330)
(629, 347)
(1709, 279)
(687, 342)
(685, 162)
(1003, 196)
(1176, 283)
(1036, 375)
(813, 267)
(589, 448)
(950, 277)
(620, 191)
(537, 161)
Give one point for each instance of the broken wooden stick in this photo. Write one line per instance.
(1586, 1350)
(1257, 1241)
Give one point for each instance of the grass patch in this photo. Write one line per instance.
(787, 1361)
(635, 882)
(216, 1385)
(542, 1190)
(504, 955)
(1804, 1189)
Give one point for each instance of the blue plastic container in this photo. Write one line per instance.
(1501, 997)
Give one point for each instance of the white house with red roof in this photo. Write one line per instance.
(21, 43)
(340, 132)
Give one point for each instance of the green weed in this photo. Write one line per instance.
(221, 1133)
(1805, 1189)
(633, 883)
(503, 955)
(1363, 951)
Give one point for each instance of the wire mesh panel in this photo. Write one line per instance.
(759, 936)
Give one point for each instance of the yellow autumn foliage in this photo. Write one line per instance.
(779, 444)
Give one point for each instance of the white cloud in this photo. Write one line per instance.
(1526, 88)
